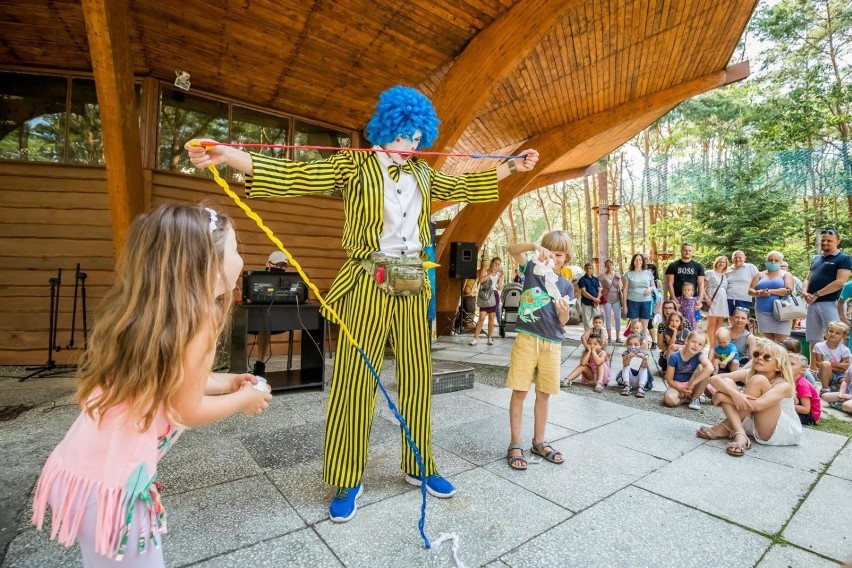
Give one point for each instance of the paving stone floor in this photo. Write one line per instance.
(637, 489)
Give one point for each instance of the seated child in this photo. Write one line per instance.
(687, 303)
(593, 367)
(672, 339)
(842, 399)
(806, 402)
(793, 346)
(597, 327)
(635, 371)
(831, 357)
(688, 372)
(725, 355)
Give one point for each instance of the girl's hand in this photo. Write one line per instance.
(742, 402)
(238, 380)
(254, 401)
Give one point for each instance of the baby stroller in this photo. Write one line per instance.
(510, 299)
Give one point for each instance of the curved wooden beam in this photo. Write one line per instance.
(475, 220)
(494, 53)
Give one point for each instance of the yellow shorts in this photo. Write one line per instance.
(528, 353)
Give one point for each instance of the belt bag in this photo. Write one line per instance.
(396, 276)
(790, 308)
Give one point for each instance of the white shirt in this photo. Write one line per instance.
(402, 206)
(739, 280)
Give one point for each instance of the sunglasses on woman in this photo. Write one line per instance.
(765, 356)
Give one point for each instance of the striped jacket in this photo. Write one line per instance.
(358, 177)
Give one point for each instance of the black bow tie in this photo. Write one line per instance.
(394, 170)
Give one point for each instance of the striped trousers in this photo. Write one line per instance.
(373, 317)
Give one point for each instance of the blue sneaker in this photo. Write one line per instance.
(435, 485)
(345, 504)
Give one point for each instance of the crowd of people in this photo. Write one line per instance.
(744, 361)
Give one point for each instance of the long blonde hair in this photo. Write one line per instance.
(781, 357)
(163, 297)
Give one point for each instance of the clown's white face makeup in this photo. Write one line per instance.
(404, 146)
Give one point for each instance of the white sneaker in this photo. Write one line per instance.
(695, 404)
(473, 341)
(490, 341)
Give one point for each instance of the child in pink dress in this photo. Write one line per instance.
(145, 376)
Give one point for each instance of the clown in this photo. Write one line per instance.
(387, 195)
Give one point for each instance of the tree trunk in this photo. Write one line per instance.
(587, 197)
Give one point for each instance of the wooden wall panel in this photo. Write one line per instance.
(54, 216)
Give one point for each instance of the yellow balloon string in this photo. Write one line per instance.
(256, 218)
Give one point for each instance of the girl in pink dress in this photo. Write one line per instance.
(145, 376)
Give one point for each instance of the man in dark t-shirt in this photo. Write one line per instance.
(685, 270)
(590, 295)
(827, 275)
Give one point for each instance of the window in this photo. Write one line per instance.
(183, 117)
(308, 134)
(253, 127)
(85, 136)
(32, 117)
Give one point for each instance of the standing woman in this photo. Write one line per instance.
(611, 285)
(768, 286)
(638, 282)
(494, 273)
(716, 297)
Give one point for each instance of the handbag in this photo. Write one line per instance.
(789, 308)
(485, 297)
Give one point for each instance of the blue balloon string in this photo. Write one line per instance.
(422, 523)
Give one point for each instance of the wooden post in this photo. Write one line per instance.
(108, 33)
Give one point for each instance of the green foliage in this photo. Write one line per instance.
(742, 210)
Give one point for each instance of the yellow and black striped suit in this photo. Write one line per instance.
(371, 315)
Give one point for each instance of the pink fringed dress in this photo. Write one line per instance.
(111, 466)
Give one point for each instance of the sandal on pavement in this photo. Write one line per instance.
(516, 462)
(599, 387)
(706, 432)
(539, 450)
(566, 382)
(736, 448)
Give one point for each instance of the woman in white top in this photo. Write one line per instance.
(611, 285)
(764, 409)
(715, 296)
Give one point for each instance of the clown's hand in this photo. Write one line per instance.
(528, 162)
(203, 156)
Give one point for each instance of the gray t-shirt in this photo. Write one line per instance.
(537, 313)
(738, 281)
(640, 284)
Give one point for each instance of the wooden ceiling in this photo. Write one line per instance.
(328, 60)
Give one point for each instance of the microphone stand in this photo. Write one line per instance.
(50, 368)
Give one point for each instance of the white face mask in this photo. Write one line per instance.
(401, 148)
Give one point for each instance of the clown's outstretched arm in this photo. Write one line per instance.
(202, 157)
(524, 164)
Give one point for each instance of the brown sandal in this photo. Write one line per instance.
(516, 462)
(706, 432)
(539, 450)
(737, 449)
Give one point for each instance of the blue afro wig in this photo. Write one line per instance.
(401, 111)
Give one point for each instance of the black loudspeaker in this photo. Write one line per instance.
(463, 260)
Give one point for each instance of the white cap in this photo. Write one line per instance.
(277, 257)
